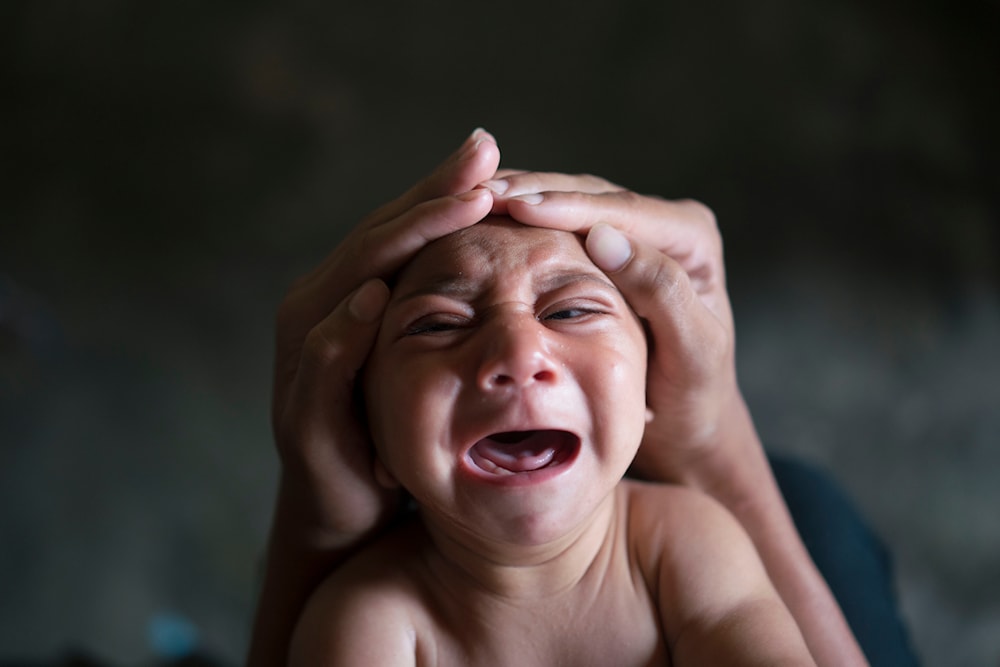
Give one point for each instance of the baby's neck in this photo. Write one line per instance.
(519, 571)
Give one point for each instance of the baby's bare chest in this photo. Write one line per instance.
(616, 625)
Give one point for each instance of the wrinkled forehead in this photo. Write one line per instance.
(494, 248)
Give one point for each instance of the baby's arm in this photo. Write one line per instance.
(717, 604)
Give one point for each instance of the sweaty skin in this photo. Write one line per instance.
(493, 350)
(506, 393)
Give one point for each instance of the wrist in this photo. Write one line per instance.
(698, 445)
(726, 447)
(323, 518)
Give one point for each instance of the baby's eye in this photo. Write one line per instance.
(568, 314)
(435, 324)
(572, 313)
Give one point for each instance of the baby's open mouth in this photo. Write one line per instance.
(514, 452)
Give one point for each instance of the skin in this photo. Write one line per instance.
(328, 501)
(664, 256)
(503, 328)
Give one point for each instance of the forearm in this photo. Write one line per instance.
(738, 475)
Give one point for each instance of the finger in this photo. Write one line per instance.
(365, 254)
(321, 398)
(689, 343)
(644, 217)
(381, 250)
(386, 248)
(685, 230)
(476, 160)
(322, 439)
(508, 184)
(504, 173)
(512, 183)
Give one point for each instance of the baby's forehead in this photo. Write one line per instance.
(497, 247)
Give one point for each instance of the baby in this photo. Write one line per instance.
(506, 393)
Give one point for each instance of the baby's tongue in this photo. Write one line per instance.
(516, 451)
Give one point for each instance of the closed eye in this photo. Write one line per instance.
(436, 324)
(569, 314)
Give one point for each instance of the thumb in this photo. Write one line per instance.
(321, 401)
(688, 341)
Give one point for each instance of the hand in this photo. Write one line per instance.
(684, 230)
(666, 257)
(325, 327)
(329, 499)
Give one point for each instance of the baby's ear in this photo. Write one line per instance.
(382, 475)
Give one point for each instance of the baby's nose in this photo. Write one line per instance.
(516, 355)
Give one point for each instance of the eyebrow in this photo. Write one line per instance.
(442, 284)
(461, 287)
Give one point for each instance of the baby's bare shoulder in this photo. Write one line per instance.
(715, 599)
(669, 506)
(679, 526)
(368, 610)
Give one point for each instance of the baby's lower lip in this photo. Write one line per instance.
(520, 457)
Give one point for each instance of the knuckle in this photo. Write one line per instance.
(631, 200)
(704, 217)
(321, 349)
(598, 184)
(665, 282)
(702, 212)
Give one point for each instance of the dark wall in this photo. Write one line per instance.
(168, 168)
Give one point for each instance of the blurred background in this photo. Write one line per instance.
(169, 168)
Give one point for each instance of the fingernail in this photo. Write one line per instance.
(499, 186)
(474, 141)
(608, 247)
(470, 145)
(369, 301)
(471, 195)
(481, 133)
(532, 199)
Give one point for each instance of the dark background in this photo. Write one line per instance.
(166, 170)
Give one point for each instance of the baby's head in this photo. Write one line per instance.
(506, 389)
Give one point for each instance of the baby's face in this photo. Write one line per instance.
(506, 389)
